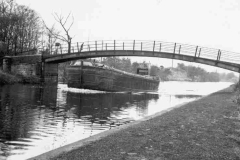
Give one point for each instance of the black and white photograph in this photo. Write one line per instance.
(119, 79)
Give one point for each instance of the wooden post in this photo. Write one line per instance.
(106, 46)
(179, 49)
(141, 46)
(102, 45)
(160, 46)
(123, 45)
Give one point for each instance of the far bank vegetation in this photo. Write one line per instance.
(180, 73)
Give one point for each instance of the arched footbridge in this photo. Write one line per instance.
(209, 56)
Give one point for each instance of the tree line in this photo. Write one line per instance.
(201, 75)
(20, 28)
(23, 30)
(191, 73)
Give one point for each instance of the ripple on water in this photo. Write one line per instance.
(36, 119)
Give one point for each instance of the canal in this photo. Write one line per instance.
(36, 119)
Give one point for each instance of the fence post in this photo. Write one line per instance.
(61, 48)
(160, 46)
(199, 52)
(96, 45)
(123, 45)
(88, 47)
(196, 51)
(133, 45)
(141, 46)
(219, 54)
(179, 49)
(106, 46)
(102, 45)
(77, 47)
(114, 45)
(174, 48)
(153, 46)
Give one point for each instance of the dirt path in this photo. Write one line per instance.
(208, 128)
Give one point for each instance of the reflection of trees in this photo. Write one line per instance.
(19, 106)
(98, 107)
(21, 111)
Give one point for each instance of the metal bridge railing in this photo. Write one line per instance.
(153, 46)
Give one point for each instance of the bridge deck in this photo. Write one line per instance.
(209, 56)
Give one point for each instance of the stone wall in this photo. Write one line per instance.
(27, 69)
(23, 65)
(27, 59)
(31, 65)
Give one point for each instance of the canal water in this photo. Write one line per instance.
(36, 119)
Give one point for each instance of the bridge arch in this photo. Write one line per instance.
(208, 56)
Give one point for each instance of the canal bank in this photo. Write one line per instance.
(204, 129)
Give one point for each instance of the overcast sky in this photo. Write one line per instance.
(209, 23)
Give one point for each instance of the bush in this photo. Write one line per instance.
(6, 78)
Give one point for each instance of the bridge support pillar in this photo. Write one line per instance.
(50, 73)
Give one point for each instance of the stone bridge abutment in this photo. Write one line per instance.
(31, 66)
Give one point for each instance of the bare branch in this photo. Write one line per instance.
(71, 23)
(63, 22)
(66, 19)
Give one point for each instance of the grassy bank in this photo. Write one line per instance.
(208, 128)
(6, 78)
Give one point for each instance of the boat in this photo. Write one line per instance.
(97, 76)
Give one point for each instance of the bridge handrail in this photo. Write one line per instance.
(152, 46)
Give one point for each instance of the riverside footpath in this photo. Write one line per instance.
(208, 128)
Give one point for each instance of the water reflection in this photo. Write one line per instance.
(108, 109)
(188, 96)
(36, 119)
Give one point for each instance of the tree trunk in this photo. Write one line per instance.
(69, 46)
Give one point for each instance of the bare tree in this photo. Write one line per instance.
(51, 37)
(66, 27)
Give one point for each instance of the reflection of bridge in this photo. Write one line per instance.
(197, 54)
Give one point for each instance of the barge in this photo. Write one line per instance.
(96, 76)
